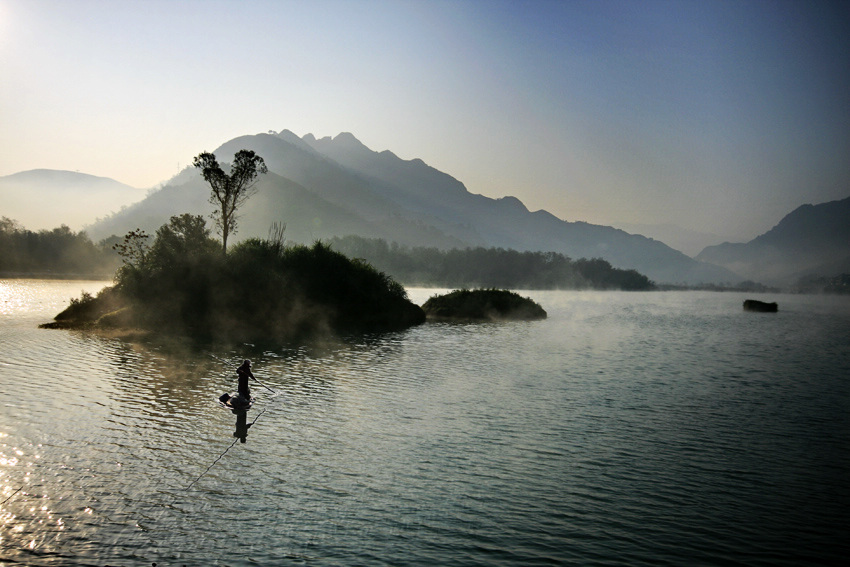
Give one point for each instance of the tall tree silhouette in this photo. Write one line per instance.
(229, 192)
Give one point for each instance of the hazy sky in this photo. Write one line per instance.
(719, 116)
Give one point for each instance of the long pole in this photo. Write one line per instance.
(266, 387)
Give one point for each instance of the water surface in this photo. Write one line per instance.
(626, 429)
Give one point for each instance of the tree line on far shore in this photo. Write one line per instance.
(59, 252)
(489, 267)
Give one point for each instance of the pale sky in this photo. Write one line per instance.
(719, 116)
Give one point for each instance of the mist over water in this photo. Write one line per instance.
(626, 429)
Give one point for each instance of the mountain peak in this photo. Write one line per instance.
(814, 225)
(343, 144)
(348, 139)
(513, 203)
(289, 136)
(809, 238)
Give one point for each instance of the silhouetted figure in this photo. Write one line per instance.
(245, 373)
(242, 426)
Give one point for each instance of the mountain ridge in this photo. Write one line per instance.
(808, 240)
(344, 188)
(63, 197)
(689, 241)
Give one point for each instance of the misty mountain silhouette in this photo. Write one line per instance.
(811, 240)
(686, 240)
(47, 198)
(337, 186)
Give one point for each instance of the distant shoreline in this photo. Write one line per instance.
(54, 276)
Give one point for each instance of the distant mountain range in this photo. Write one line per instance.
(46, 198)
(337, 186)
(812, 240)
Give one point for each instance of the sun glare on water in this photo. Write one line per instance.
(12, 297)
(27, 519)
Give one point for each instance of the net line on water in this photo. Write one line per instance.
(223, 453)
(11, 495)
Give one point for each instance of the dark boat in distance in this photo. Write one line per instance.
(236, 403)
(760, 306)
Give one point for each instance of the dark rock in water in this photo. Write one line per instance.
(760, 306)
(483, 305)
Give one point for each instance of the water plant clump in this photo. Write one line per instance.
(483, 305)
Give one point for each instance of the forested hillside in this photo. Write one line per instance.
(489, 267)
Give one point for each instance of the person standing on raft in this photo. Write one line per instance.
(245, 373)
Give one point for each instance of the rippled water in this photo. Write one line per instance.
(626, 429)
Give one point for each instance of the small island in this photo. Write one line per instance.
(184, 284)
(483, 305)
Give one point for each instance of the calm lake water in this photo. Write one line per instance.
(626, 429)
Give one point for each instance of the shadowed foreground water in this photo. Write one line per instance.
(626, 429)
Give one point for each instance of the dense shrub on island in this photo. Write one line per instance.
(483, 305)
(261, 289)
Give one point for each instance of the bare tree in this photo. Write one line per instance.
(134, 248)
(229, 192)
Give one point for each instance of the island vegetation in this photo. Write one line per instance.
(260, 289)
(490, 267)
(483, 305)
(229, 191)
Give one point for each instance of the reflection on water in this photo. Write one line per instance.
(647, 428)
(242, 426)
